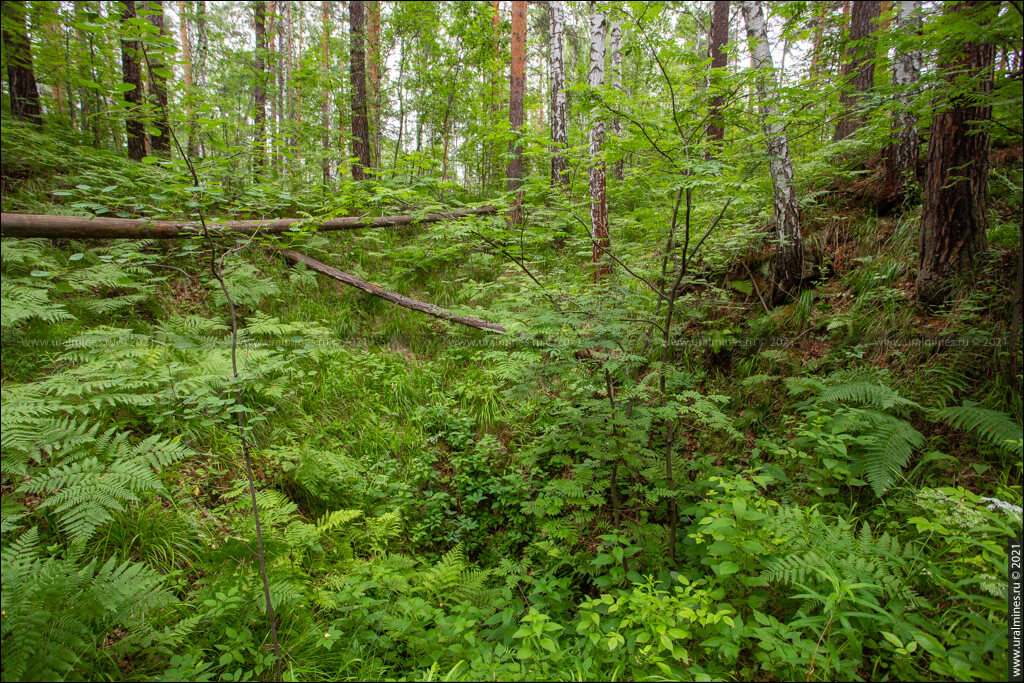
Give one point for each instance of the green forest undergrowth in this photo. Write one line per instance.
(439, 503)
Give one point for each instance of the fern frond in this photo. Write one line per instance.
(990, 425)
(885, 450)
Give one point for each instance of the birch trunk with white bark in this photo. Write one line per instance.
(598, 197)
(559, 100)
(788, 262)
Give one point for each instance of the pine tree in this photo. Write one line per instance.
(954, 212)
(21, 80)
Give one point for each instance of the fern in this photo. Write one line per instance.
(20, 301)
(864, 393)
(94, 482)
(990, 425)
(816, 547)
(57, 610)
(885, 450)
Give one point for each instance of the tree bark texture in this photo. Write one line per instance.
(82, 227)
(357, 72)
(901, 157)
(719, 38)
(954, 212)
(259, 93)
(859, 70)
(325, 96)
(517, 89)
(559, 100)
(598, 197)
(21, 80)
(132, 75)
(599, 233)
(393, 297)
(160, 144)
(787, 266)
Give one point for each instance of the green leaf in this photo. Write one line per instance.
(725, 568)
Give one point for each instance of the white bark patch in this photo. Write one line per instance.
(785, 205)
(559, 101)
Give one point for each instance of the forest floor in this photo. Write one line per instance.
(436, 500)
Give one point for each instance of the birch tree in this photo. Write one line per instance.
(559, 100)
(598, 197)
(901, 160)
(788, 262)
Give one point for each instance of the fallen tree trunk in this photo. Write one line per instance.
(82, 227)
(393, 297)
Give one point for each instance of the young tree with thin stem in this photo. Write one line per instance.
(373, 72)
(191, 120)
(325, 96)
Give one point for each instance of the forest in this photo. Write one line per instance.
(633, 340)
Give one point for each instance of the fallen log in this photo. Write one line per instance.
(394, 297)
(83, 227)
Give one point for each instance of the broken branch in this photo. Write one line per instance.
(394, 297)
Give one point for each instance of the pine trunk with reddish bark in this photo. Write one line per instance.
(132, 75)
(259, 93)
(21, 80)
(517, 90)
(719, 38)
(954, 212)
(357, 72)
(859, 69)
(159, 144)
